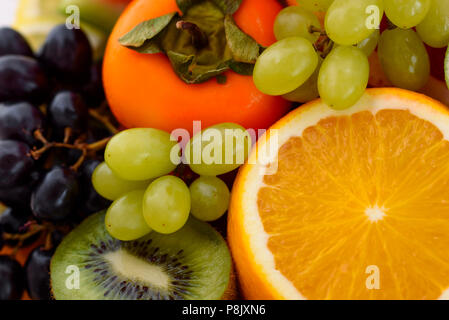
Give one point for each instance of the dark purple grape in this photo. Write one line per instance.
(21, 79)
(93, 202)
(20, 196)
(72, 156)
(18, 121)
(87, 169)
(96, 133)
(12, 42)
(12, 279)
(37, 273)
(93, 91)
(68, 109)
(14, 220)
(67, 54)
(16, 195)
(2, 242)
(56, 196)
(15, 163)
(57, 237)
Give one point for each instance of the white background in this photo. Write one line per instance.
(7, 11)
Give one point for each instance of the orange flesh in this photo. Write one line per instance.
(363, 190)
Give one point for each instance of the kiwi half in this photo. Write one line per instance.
(193, 263)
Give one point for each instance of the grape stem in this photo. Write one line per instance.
(24, 236)
(67, 134)
(313, 29)
(328, 46)
(33, 230)
(48, 243)
(199, 38)
(80, 161)
(78, 145)
(324, 45)
(104, 120)
(99, 145)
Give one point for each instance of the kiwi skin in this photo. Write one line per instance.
(231, 292)
(209, 249)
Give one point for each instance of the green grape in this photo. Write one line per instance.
(404, 58)
(285, 66)
(295, 21)
(343, 77)
(349, 22)
(218, 149)
(166, 204)
(406, 13)
(210, 198)
(434, 29)
(309, 90)
(369, 44)
(316, 5)
(111, 186)
(142, 154)
(124, 218)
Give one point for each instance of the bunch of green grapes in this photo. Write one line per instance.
(310, 60)
(137, 176)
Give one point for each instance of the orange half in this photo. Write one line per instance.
(351, 204)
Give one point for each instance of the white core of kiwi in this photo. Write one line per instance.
(132, 267)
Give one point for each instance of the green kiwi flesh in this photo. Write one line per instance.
(193, 263)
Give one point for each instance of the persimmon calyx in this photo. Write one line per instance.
(202, 43)
(199, 38)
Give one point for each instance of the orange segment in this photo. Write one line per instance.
(362, 189)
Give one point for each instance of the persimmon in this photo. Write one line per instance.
(119, 1)
(143, 90)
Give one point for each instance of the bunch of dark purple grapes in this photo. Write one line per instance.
(54, 123)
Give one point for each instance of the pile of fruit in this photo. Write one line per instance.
(53, 123)
(329, 58)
